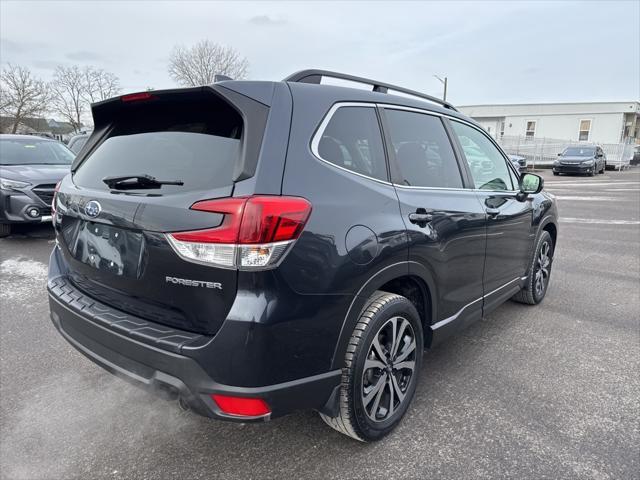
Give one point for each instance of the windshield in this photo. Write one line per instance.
(34, 151)
(579, 152)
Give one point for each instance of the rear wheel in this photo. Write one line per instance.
(381, 368)
(5, 229)
(539, 272)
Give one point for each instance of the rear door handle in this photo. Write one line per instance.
(420, 217)
(492, 212)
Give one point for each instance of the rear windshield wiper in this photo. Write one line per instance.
(131, 182)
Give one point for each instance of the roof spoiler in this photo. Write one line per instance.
(315, 76)
(254, 115)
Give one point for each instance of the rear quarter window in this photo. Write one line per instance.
(352, 140)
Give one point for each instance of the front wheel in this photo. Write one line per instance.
(537, 282)
(381, 368)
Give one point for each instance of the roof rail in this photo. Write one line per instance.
(315, 76)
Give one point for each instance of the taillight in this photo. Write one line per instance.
(137, 97)
(53, 201)
(241, 406)
(255, 233)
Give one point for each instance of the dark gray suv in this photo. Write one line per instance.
(30, 168)
(255, 248)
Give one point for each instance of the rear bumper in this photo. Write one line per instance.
(157, 357)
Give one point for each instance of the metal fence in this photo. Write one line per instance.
(543, 151)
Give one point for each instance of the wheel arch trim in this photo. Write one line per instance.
(378, 279)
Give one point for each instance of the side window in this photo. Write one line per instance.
(488, 167)
(352, 140)
(423, 152)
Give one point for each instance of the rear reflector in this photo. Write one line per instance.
(241, 406)
(137, 97)
(255, 232)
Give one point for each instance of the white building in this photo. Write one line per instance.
(599, 122)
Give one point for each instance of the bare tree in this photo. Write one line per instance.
(21, 94)
(100, 84)
(68, 92)
(197, 65)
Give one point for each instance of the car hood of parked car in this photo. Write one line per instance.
(36, 173)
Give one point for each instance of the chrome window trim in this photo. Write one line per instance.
(317, 136)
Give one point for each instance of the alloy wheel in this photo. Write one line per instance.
(388, 369)
(543, 268)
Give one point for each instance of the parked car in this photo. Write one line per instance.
(584, 159)
(30, 168)
(635, 160)
(519, 162)
(255, 248)
(77, 142)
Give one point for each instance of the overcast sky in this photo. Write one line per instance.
(503, 52)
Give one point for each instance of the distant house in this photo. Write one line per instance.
(38, 126)
(601, 122)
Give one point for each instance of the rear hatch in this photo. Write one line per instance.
(112, 233)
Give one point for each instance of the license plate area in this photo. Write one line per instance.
(109, 249)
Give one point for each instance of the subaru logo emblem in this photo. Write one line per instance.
(92, 209)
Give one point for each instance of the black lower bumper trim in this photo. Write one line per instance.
(177, 375)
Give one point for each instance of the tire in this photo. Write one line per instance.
(365, 411)
(5, 230)
(533, 292)
(556, 173)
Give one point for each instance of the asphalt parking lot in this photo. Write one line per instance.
(530, 392)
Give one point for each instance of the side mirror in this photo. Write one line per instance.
(599, 155)
(530, 183)
(560, 154)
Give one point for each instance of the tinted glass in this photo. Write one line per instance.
(33, 151)
(198, 145)
(352, 140)
(579, 151)
(488, 167)
(423, 151)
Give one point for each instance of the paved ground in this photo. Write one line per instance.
(545, 392)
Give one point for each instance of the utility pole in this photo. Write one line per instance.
(444, 82)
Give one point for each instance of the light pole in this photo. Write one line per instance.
(444, 82)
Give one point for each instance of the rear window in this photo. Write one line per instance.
(195, 143)
(352, 140)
